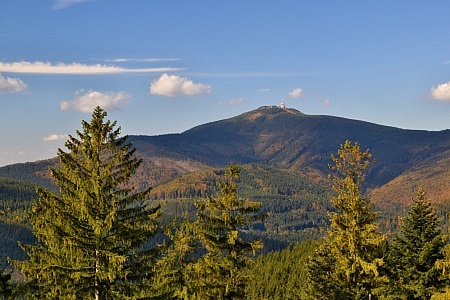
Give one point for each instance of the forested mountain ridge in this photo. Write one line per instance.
(285, 156)
(276, 137)
(289, 139)
(34, 172)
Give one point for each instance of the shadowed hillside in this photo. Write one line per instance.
(288, 139)
(276, 137)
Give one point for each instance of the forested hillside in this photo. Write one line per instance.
(37, 172)
(284, 156)
(297, 207)
(284, 159)
(15, 199)
(284, 139)
(289, 139)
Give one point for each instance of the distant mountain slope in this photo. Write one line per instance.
(290, 144)
(431, 174)
(272, 136)
(34, 172)
(286, 138)
(279, 138)
(15, 199)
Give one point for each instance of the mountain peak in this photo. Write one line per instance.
(269, 111)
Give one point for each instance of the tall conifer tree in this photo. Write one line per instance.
(174, 271)
(355, 241)
(219, 274)
(413, 253)
(93, 233)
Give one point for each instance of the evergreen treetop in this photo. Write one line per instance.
(220, 272)
(413, 253)
(93, 234)
(347, 266)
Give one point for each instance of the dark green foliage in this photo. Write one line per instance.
(410, 261)
(5, 284)
(321, 275)
(220, 271)
(205, 257)
(15, 195)
(15, 198)
(93, 233)
(11, 233)
(281, 274)
(175, 275)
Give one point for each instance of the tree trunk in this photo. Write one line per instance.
(96, 289)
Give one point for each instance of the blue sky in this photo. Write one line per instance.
(166, 66)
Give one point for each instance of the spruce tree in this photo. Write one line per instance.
(174, 271)
(93, 235)
(219, 273)
(322, 277)
(412, 254)
(355, 241)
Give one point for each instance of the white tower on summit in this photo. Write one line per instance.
(282, 105)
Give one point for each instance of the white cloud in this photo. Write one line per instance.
(149, 60)
(86, 102)
(263, 90)
(60, 4)
(441, 92)
(296, 93)
(11, 85)
(174, 85)
(55, 137)
(40, 67)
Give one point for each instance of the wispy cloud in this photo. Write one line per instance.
(296, 93)
(73, 68)
(55, 137)
(174, 85)
(257, 74)
(263, 90)
(149, 60)
(61, 4)
(441, 92)
(11, 85)
(87, 101)
(235, 101)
